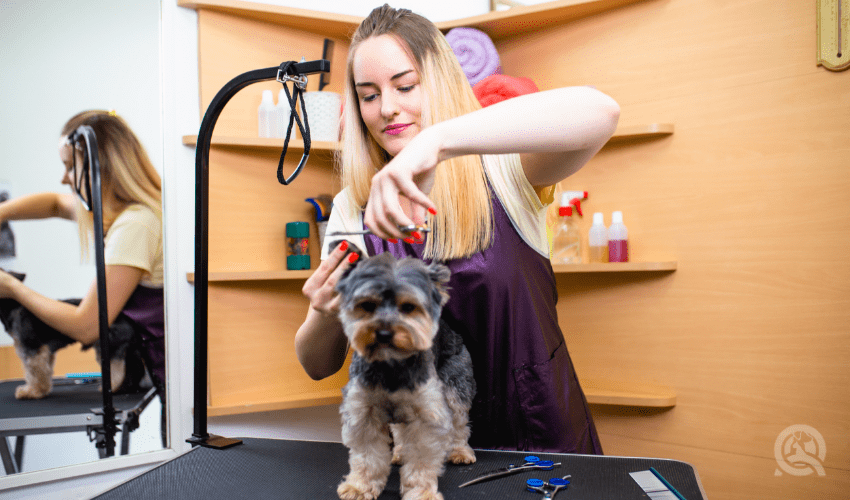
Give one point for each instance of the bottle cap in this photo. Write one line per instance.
(268, 97)
(598, 218)
(617, 218)
(565, 211)
(565, 199)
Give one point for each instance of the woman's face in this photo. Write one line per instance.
(388, 92)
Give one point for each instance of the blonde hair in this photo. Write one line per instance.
(462, 226)
(126, 172)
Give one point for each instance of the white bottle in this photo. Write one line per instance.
(282, 111)
(266, 113)
(566, 242)
(597, 239)
(618, 239)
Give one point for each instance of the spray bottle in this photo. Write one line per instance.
(266, 115)
(566, 244)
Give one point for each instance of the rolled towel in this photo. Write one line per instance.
(476, 53)
(497, 88)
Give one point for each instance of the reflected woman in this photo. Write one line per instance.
(132, 220)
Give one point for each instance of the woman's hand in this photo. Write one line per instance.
(410, 175)
(320, 287)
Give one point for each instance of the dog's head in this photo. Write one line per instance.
(391, 308)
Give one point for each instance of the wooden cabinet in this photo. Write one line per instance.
(255, 304)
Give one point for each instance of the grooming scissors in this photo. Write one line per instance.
(548, 488)
(531, 463)
(404, 229)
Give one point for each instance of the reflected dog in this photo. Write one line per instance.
(36, 344)
(410, 382)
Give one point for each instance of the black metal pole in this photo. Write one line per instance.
(200, 436)
(91, 157)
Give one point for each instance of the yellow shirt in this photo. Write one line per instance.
(135, 239)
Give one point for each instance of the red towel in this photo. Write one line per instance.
(497, 88)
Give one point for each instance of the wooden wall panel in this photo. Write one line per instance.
(69, 360)
(752, 331)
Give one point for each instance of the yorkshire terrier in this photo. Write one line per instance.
(36, 344)
(410, 382)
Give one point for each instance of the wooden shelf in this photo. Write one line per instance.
(614, 267)
(597, 392)
(498, 24)
(622, 134)
(521, 20)
(261, 143)
(322, 23)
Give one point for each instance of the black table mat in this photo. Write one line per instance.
(62, 400)
(283, 469)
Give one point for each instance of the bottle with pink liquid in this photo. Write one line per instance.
(618, 239)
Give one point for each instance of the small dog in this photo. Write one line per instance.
(36, 344)
(410, 383)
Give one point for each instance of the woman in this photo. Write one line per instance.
(417, 146)
(132, 220)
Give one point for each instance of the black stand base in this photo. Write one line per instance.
(213, 441)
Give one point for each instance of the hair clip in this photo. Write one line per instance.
(112, 112)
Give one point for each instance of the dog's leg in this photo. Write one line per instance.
(365, 431)
(459, 450)
(398, 443)
(38, 374)
(117, 372)
(425, 444)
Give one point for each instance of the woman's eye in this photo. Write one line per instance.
(370, 97)
(407, 88)
(407, 308)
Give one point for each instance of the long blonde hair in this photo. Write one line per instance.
(126, 171)
(463, 225)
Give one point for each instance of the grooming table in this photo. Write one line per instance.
(281, 469)
(71, 406)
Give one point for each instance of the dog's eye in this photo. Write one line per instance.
(407, 308)
(368, 306)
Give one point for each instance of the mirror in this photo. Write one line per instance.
(60, 58)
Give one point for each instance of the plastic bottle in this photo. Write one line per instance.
(282, 111)
(597, 239)
(618, 239)
(566, 244)
(266, 113)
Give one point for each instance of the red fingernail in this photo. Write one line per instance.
(343, 246)
(416, 235)
(353, 258)
(392, 240)
(432, 211)
(409, 240)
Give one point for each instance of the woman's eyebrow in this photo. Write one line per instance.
(394, 77)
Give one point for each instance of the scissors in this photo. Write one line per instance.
(404, 229)
(548, 488)
(531, 463)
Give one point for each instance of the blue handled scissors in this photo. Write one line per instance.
(548, 488)
(531, 463)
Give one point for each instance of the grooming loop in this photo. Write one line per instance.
(299, 80)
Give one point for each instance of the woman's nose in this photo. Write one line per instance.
(389, 105)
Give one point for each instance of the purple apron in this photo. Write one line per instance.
(502, 301)
(146, 307)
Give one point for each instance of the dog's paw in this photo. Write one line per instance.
(462, 455)
(28, 392)
(348, 490)
(422, 494)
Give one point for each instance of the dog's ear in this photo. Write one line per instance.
(17, 276)
(440, 275)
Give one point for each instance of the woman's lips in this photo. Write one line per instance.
(396, 129)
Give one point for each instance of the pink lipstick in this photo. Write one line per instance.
(396, 129)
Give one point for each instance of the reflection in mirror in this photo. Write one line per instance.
(58, 60)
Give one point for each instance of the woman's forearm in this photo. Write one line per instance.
(61, 316)
(321, 345)
(37, 206)
(565, 119)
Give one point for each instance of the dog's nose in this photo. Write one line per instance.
(383, 336)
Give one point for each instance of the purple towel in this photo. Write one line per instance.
(476, 53)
